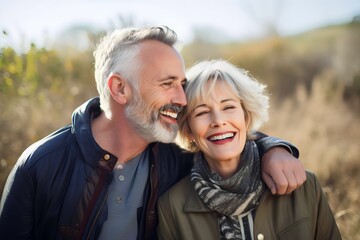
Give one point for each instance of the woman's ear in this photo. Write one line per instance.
(189, 135)
(190, 139)
(119, 88)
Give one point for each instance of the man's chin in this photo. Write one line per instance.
(166, 133)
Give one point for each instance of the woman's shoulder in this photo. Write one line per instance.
(311, 179)
(179, 192)
(311, 188)
(181, 187)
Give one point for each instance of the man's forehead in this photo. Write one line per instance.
(159, 61)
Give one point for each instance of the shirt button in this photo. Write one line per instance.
(260, 236)
(121, 178)
(119, 200)
(106, 157)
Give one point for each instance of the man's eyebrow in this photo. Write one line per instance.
(172, 78)
(167, 78)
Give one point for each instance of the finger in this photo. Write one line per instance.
(292, 183)
(280, 182)
(269, 182)
(300, 174)
(300, 177)
(281, 186)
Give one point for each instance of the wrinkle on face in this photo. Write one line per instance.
(161, 77)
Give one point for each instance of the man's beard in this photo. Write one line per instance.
(147, 122)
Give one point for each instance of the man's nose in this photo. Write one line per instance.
(179, 96)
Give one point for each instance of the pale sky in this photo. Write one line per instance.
(42, 21)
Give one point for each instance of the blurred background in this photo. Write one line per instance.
(307, 52)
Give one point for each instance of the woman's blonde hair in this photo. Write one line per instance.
(202, 79)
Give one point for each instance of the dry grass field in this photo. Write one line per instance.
(313, 80)
(327, 134)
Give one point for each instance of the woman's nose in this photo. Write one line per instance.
(217, 120)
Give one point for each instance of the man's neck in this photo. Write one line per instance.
(118, 137)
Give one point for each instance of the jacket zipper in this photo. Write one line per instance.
(148, 210)
(97, 214)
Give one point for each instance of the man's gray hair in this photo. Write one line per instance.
(117, 53)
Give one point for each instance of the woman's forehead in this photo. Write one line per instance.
(212, 90)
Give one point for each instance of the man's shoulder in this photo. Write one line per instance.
(52, 144)
(172, 161)
(169, 146)
(57, 143)
(172, 149)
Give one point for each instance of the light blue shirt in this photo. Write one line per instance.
(126, 195)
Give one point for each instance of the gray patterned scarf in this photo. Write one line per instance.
(230, 197)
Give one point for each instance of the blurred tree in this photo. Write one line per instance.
(11, 68)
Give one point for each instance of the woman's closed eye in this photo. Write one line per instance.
(229, 107)
(200, 113)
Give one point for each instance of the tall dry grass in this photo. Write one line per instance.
(327, 132)
(314, 80)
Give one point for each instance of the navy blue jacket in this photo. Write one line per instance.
(58, 187)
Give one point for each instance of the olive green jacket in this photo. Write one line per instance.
(304, 214)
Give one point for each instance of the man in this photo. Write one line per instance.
(101, 177)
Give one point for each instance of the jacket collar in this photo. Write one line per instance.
(193, 202)
(81, 127)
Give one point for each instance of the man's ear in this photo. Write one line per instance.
(119, 88)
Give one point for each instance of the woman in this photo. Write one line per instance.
(224, 196)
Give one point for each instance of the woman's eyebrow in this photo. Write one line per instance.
(228, 100)
(200, 105)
